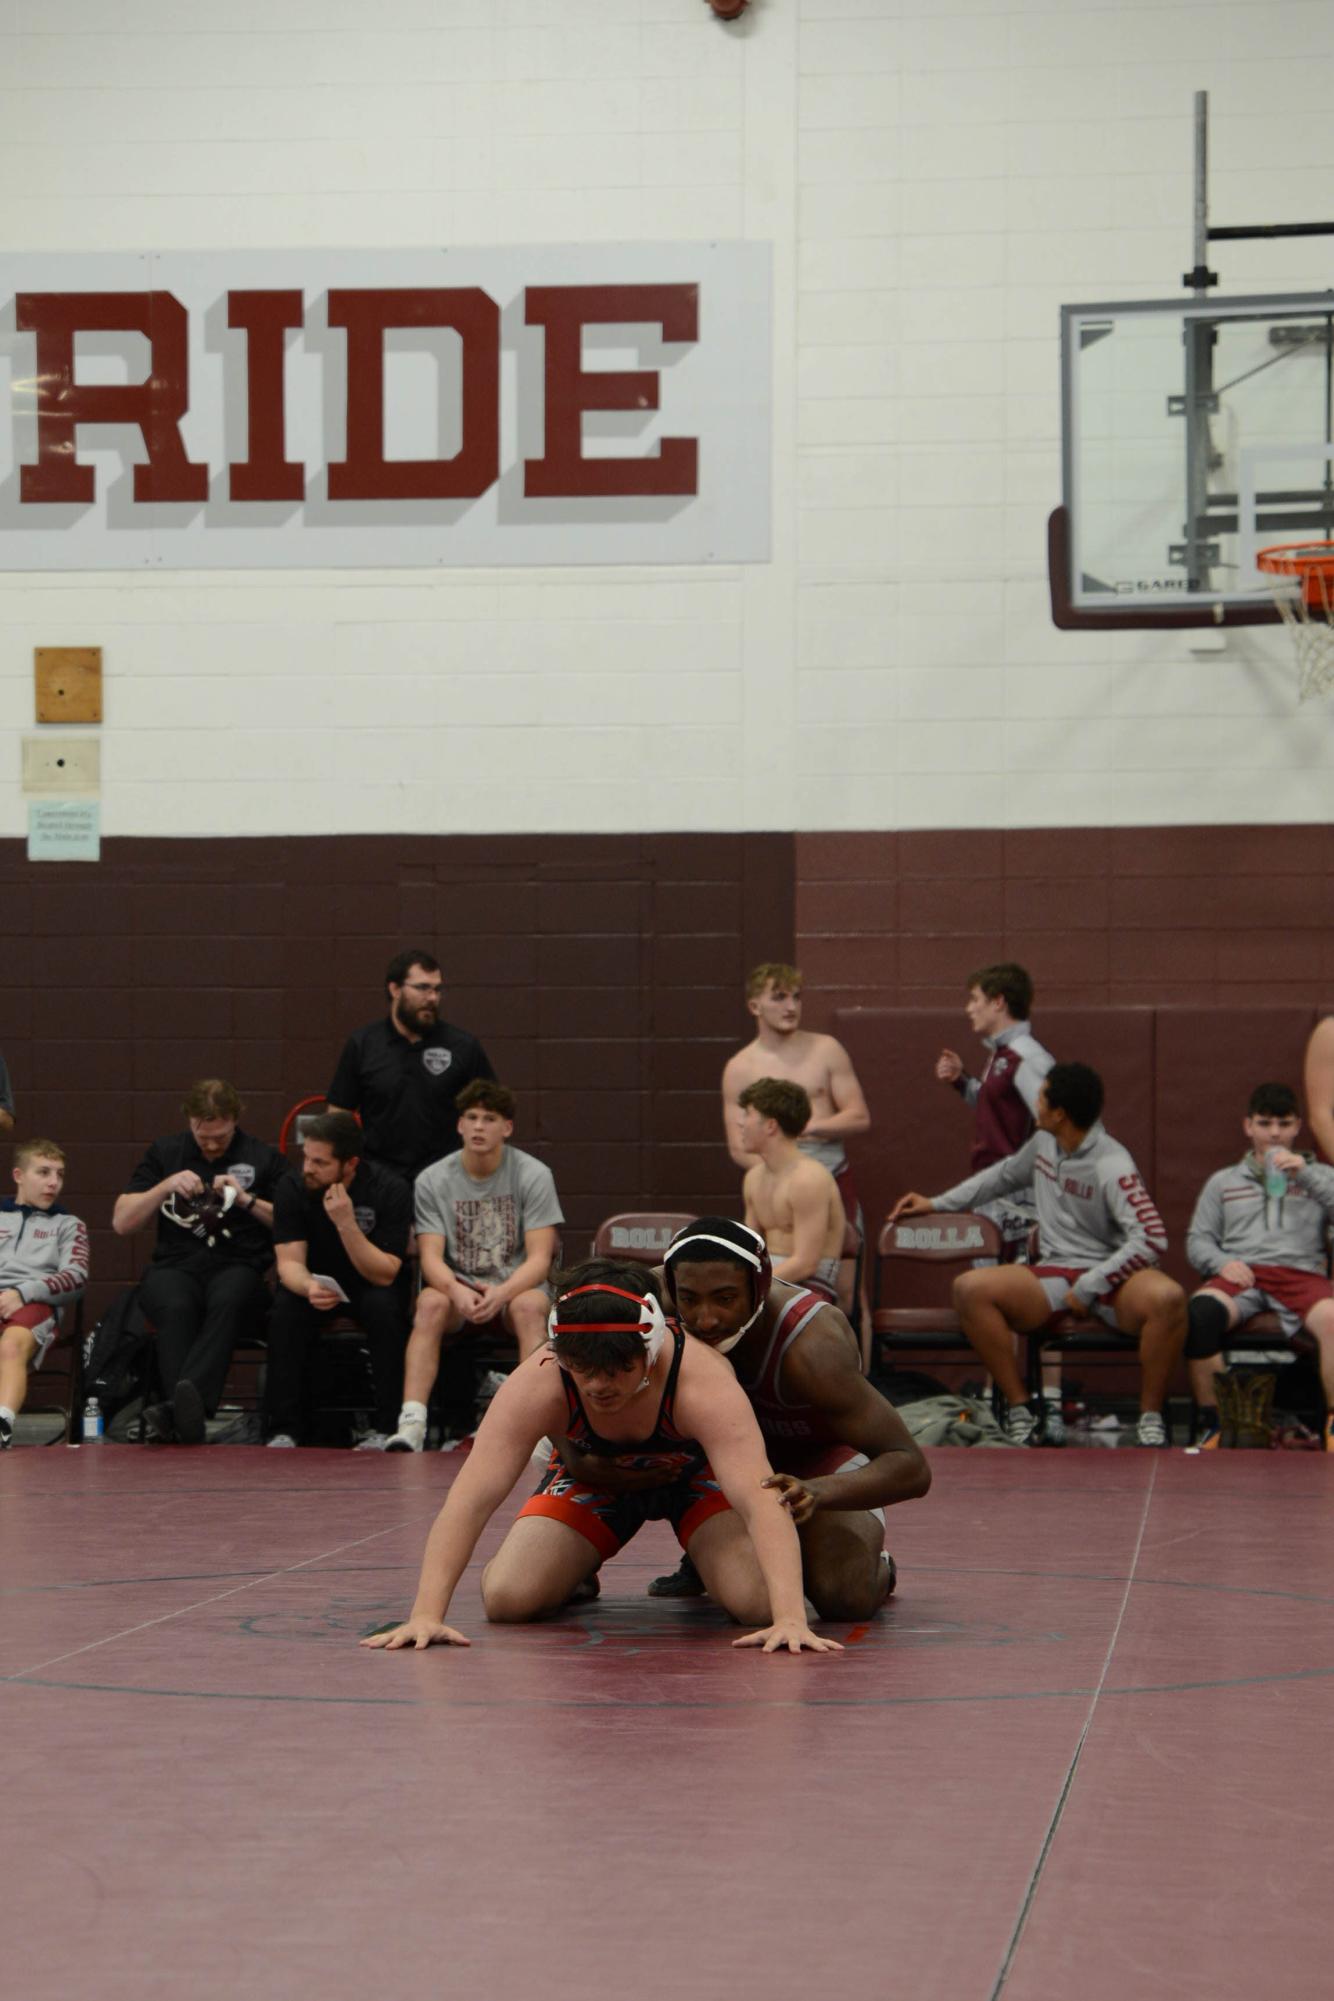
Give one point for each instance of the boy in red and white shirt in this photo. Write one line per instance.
(43, 1266)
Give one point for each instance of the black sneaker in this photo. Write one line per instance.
(684, 1582)
(187, 1411)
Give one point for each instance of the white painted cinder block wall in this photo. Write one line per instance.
(936, 180)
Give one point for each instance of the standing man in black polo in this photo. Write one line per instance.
(341, 1231)
(210, 1190)
(404, 1072)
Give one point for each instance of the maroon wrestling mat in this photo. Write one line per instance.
(1082, 1752)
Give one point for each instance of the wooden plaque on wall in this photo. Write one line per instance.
(69, 684)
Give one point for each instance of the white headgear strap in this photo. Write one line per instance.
(652, 1323)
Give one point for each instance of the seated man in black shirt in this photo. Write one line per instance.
(341, 1232)
(404, 1072)
(211, 1191)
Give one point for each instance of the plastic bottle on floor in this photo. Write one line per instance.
(92, 1422)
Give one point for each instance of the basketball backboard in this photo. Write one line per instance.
(1195, 432)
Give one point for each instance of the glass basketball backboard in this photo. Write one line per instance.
(1195, 432)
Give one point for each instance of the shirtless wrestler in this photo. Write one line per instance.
(791, 1200)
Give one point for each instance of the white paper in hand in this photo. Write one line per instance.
(329, 1285)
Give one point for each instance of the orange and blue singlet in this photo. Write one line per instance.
(688, 1495)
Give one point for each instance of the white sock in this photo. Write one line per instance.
(8, 1416)
(412, 1413)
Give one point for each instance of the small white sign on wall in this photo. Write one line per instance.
(588, 403)
(64, 830)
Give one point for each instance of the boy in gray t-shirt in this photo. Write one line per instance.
(487, 1219)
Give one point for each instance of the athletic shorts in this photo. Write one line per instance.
(1056, 1281)
(609, 1520)
(1278, 1289)
(39, 1320)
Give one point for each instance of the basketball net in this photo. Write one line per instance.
(1302, 577)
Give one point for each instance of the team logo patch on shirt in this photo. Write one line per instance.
(437, 1061)
(242, 1173)
(364, 1218)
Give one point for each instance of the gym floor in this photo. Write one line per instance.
(1079, 1752)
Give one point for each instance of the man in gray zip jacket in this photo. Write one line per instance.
(1261, 1250)
(1099, 1238)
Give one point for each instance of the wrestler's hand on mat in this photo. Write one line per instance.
(794, 1634)
(911, 1205)
(1237, 1273)
(417, 1632)
(800, 1500)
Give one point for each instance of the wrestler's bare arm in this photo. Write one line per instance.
(823, 1370)
(738, 1071)
(530, 1404)
(850, 1113)
(806, 1190)
(1319, 1085)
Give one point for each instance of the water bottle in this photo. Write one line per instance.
(1276, 1187)
(92, 1422)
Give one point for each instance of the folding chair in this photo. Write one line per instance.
(916, 1260)
(640, 1236)
(56, 1387)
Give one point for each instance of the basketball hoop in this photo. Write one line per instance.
(1302, 575)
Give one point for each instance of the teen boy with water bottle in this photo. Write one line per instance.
(1258, 1240)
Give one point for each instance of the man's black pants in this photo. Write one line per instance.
(295, 1328)
(200, 1308)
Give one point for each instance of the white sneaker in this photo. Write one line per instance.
(410, 1436)
(1053, 1424)
(282, 1438)
(374, 1441)
(493, 1380)
(1020, 1424)
(1151, 1430)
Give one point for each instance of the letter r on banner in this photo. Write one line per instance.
(155, 405)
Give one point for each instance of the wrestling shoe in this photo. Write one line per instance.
(6, 1434)
(889, 1576)
(1053, 1424)
(683, 1582)
(1208, 1433)
(1020, 1424)
(1151, 1430)
(187, 1413)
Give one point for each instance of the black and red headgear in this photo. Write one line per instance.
(713, 1238)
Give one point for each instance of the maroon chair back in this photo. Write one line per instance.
(638, 1235)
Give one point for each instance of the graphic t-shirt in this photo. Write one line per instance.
(483, 1222)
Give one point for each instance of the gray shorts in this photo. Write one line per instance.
(860, 1459)
(1056, 1284)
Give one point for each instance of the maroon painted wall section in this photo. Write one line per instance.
(1207, 916)
(1186, 963)
(603, 974)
